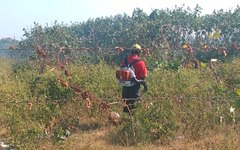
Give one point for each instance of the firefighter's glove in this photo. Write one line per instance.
(145, 86)
(141, 82)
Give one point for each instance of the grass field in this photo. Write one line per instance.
(183, 109)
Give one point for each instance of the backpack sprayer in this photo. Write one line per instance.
(126, 76)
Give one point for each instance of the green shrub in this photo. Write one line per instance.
(149, 124)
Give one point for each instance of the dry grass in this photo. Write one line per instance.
(98, 139)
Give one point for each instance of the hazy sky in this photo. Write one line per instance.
(18, 14)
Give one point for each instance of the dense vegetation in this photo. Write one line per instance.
(151, 30)
(51, 109)
(67, 87)
(161, 33)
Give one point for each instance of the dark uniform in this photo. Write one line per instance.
(131, 94)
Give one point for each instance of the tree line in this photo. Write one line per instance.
(162, 29)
